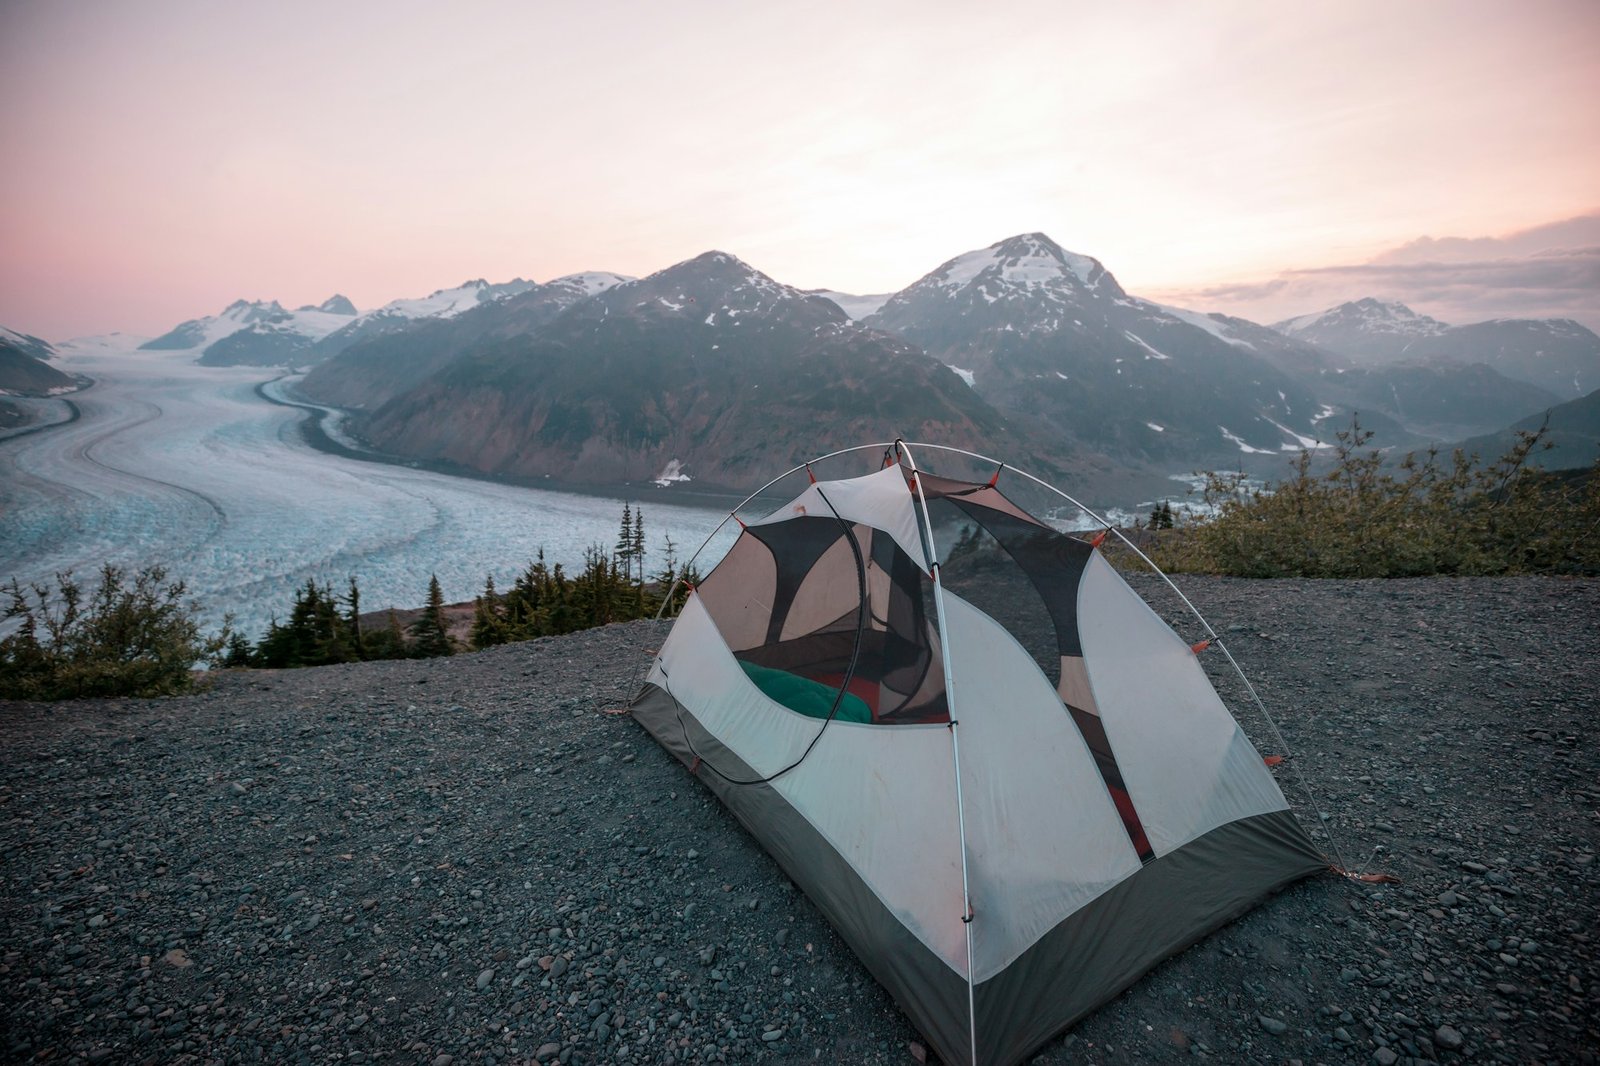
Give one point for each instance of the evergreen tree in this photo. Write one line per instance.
(560, 614)
(388, 642)
(638, 550)
(239, 651)
(624, 549)
(430, 636)
(488, 618)
(353, 620)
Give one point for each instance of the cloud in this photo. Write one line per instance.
(1580, 232)
(1549, 271)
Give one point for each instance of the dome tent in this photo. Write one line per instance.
(1009, 817)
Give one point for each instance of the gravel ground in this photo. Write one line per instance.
(470, 860)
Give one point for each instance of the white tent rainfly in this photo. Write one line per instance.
(1003, 778)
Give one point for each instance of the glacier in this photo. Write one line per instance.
(187, 467)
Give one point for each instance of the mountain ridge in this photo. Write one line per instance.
(708, 362)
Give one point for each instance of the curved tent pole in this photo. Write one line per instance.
(1211, 633)
(901, 447)
(844, 686)
(734, 514)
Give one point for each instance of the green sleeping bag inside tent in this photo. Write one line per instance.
(805, 696)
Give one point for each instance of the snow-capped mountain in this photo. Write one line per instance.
(255, 332)
(395, 352)
(397, 315)
(201, 333)
(1049, 336)
(1029, 271)
(1555, 354)
(709, 363)
(1368, 330)
(264, 333)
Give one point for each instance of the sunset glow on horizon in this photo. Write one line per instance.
(165, 158)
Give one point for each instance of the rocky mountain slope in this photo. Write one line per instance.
(23, 367)
(1048, 336)
(1572, 429)
(449, 861)
(569, 380)
(396, 353)
(708, 363)
(398, 315)
(1436, 401)
(1557, 355)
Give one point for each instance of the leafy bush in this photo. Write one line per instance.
(141, 639)
(1425, 516)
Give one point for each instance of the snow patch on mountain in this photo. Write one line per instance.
(1152, 353)
(1299, 441)
(1209, 323)
(447, 303)
(1243, 446)
(592, 282)
(965, 375)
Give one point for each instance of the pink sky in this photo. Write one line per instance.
(164, 158)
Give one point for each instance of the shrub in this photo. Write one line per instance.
(138, 639)
(1423, 516)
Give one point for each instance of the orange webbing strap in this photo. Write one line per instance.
(1201, 646)
(1272, 760)
(809, 474)
(994, 478)
(1366, 879)
(694, 767)
(1098, 539)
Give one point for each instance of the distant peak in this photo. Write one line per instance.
(337, 304)
(720, 258)
(592, 281)
(1029, 241)
(1023, 261)
(1368, 314)
(714, 263)
(253, 307)
(1372, 303)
